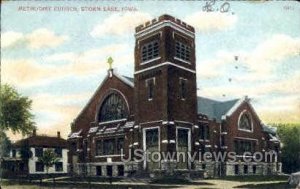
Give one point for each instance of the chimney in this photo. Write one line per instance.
(58, 134)
(34, 132)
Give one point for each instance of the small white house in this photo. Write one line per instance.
(34, 147)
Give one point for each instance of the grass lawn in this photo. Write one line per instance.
(178, 181)
(256, 178)
(90, 179)
(280, 185)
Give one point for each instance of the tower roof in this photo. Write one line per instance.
(164, 19)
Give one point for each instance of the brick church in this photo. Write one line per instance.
(158, 112)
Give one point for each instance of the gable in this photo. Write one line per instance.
(115, 82)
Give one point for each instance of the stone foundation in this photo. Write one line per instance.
(205, 169)
(252, 168)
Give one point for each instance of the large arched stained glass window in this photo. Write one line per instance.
(113, 108)
(245, 122)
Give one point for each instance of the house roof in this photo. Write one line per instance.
(129, 78)
(41, 141)
(214, 109)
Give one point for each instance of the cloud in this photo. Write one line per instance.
(120, 24)
(33, 72)
(211, 21)
(272, 51)
(260, 89)
(44, 38)
(56, 112)
(40, 38)
(253, 65)
(10, 38)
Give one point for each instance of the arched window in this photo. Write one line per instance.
(245, 122)
(113, 108)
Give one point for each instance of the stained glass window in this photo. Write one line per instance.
(98, 147)
(120, 145)
(245, 122)
(152, 137)
(109, 147)
(113, 108)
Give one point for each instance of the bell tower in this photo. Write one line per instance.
(165, 90)
(165, 71)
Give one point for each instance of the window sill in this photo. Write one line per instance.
(245, 130)
(181, 60)
(151, 60)
(113, 121)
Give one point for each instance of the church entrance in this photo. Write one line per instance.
(183, 147)
(151, 147)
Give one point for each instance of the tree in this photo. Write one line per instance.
(15, 112)
(289, 135)
(49, 158)
(5, 145)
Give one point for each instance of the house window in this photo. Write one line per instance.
(58, 166)
(98, 170)
(73, 147)
(254, 169)
(38, 152)
(236, 169)
(120, 170)
(109, 146)
(58, 152)
(39, 167)
(150, 88)
(245, 169)
(245, 122)
(98, 147)
(204, 132)
(182, 88)
(150, 50)
(242, 146)
(182, 51)
(120, 145)
(113, 108)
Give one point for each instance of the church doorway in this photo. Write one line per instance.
(151, 140)
(183, 147)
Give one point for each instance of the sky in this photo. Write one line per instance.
(55, 52)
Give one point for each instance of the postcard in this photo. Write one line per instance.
(127, 94)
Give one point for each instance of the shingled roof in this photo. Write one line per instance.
(214, 109)
(41, 141)
(129, 78)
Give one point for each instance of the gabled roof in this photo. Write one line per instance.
(42, 141)
(127, 80)
(214, 109)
